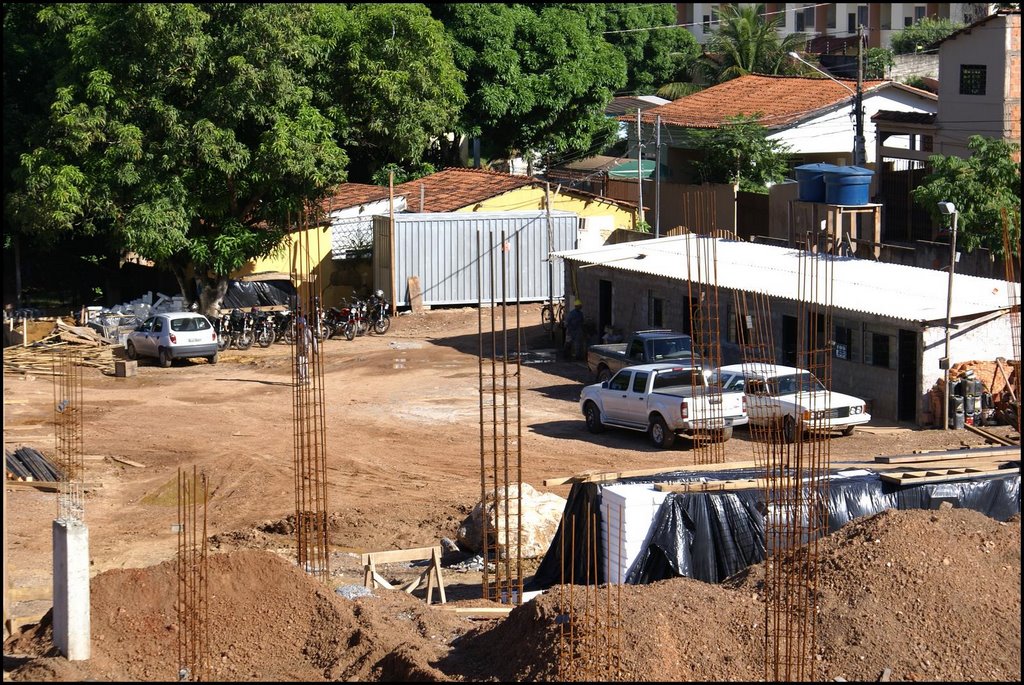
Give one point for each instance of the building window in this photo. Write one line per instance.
(920, 11)
(707, 23)
(927, 143)
(830, 16)
(655, 310)
(738, 329)
(862, 15)
(972, 79)
(843, 343)
(877, 347)
(851, 23)
(804, 18)
(908, 21)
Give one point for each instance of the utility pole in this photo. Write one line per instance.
(859, 152)
(639, 162)
(657, 177)
(551, 248)
(949, 323)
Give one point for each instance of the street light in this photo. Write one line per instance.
(948, 208)
(859, 155)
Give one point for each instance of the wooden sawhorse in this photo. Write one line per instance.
(432, 574)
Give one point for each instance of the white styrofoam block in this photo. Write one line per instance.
(627, 515)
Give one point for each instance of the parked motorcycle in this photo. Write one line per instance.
(263, 327)
(378, 313)
(355, 322)
(334, 320)
(284, 327)
(240, 325)
(223, 327)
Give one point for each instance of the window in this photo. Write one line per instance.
(804, 18)
(738, 331)
(158, 325)
(920, 11)
(830, 16)
(851, 23)
(640, 381)
(908, 21)
(972, 79)
(706, 24)
(620, 381)
(843, 348)
(654, 310)
(862, 15)
(877, 348)
(636, 349)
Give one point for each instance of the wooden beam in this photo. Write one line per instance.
(395, 555)
(129, 462)
(949, 456)
(724, 485)
(1000, 366)
(916, 477)
(990, 436)
(45, 485)
(617, 475)
(477, 612)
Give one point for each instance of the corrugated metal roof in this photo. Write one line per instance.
(901, 292)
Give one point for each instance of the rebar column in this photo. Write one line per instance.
(193, 572)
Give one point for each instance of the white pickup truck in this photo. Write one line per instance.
(792, 399)
(665, 400)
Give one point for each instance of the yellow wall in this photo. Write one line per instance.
(528, 198)
(318, 261)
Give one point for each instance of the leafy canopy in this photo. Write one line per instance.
(921, 34)
(189, 131)
(746, 42)
(539, 79)
(980, 186)
(740, 151)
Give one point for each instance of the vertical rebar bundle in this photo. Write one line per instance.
(501, 452)
(796, 473)
(702, 293)
(193, 596)
(67, 419)
(1011, 261)
(590, 636)
(309, 444)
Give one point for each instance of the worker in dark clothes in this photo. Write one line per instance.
(574, 337)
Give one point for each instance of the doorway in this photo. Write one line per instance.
(604, 306)
(906, 377)
(789, 333)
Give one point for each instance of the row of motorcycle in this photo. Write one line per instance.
(242, 330)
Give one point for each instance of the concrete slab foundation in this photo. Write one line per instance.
(71, 620)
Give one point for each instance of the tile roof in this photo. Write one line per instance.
(781, 100)
(352, 195)
(454, 188)
(897, 291)
(627, 104)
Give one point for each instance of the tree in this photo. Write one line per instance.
(187, 132)
(740, 151)
(922, 34)
(536, 81)
(389, 82)
(746, 42)
(980, 187)
(877, 62)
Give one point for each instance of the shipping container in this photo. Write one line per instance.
(463, 258)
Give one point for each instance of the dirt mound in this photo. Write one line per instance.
(932, 595)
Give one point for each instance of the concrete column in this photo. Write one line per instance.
(71, 619)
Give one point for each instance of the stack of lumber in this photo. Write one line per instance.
(97, 351)
(28, 464)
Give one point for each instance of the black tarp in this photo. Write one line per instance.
(248, 294)
(710, 536)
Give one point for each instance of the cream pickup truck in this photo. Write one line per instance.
(643, 347)
(664, 400)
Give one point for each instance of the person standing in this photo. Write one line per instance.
(574, 338)
(305, 345)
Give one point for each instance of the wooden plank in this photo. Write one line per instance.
(476, 612)
(12, 401)
(947, 456)
(990, 436)
(1001, 366)
(415, 294)
(129, 462)
(45, 485)
(395, 555)
(723, 485)
(616, 475)
(908, 478)
(29, 594)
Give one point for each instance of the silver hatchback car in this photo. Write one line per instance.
(175, 335)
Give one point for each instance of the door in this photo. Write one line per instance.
(906, 382)
(616, 396)
(604, 305)
(634, 409)
(789, 335)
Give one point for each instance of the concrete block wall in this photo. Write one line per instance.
(914, 65)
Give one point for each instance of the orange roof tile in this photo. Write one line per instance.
(781, 100)
(352, 195)
(454, 188)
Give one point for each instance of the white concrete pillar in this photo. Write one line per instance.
(71, 634)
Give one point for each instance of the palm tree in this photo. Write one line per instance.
(746, 42)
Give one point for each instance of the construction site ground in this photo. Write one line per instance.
(929, 595)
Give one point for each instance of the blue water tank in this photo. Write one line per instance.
(848, 185)
(810, 180)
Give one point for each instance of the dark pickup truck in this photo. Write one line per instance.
(643, 347)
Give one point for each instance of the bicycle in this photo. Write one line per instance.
(550, 314)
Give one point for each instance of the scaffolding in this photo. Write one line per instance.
(309, 432)
(501, 451)
(67, 419)
(193, 595)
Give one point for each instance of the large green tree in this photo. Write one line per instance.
(740, 151)
(746, 42)
(188, 131)
(537, 81)
(981, 186)
(390, 83)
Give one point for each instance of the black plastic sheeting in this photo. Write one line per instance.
(248, 294)
(711, 536)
